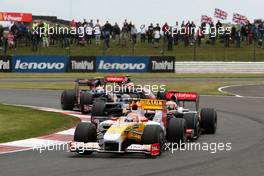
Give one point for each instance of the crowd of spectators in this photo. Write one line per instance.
(186, 33)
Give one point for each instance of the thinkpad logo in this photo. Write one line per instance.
(163, 65)
(4, 65)
(82, 65)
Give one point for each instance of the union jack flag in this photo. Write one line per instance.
(206, 19)
(220, 14)
(239, 19)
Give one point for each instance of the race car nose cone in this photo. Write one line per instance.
(112, 137)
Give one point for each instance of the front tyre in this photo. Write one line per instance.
(153, 134)
(85, 132)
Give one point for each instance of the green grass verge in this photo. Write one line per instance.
(134, 75)
(203, 53)
(18, 123)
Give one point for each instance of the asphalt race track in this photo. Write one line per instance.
(240, 122)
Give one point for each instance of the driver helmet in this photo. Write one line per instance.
(132, 117)
(99, 89)
(171, 105)
(125, 97)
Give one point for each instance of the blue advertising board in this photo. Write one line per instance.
(40, 64)
(118, 64)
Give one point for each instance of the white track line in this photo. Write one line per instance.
(221, 89)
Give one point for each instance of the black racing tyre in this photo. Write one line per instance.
(98, 108)
(85, 132)
(176, 130)
(68, 99)
(190, 119)
(85, 99)
(209, 120)
(192, 122)
(153, 134)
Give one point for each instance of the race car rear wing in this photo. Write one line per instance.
(149, 104)
(87, 82)
(182, 96)
(116, 79)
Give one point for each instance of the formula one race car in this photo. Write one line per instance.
(87, 90)
(144, 129)
(186, 105)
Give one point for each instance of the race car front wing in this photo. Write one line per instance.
(80, 147)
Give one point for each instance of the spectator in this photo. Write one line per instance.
(5, 41)
(218, 25)
(233, 33)
(143, 32)
(81, 35)
(212, 35)
(91, 24)
(192, 27)
(169, 36)
(124, 35)
(156, 37)
(35, 36)
(89, 33)
(238, 38)
(129, 29)
(227, 38)
(45, 37)
(116, 33)
(261, 34)
(134, 34)
(106, 32)
(15, 31)
(186, 34)
(150, 33)
(175, 30)
(165, 30)
(10, 40)
(199, 35)
(1, 36)
(97, 33)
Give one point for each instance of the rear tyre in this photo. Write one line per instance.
(85, 99)
(176, 130)
(153, 134)
(209, 120)
(68, 99)
(192, 122)
(85, 132)
(98, 108)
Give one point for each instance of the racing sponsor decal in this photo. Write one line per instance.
(162, 64)
(5, 63)
(13, 16)
(41, 64)
(82, 64)
(122, 64)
